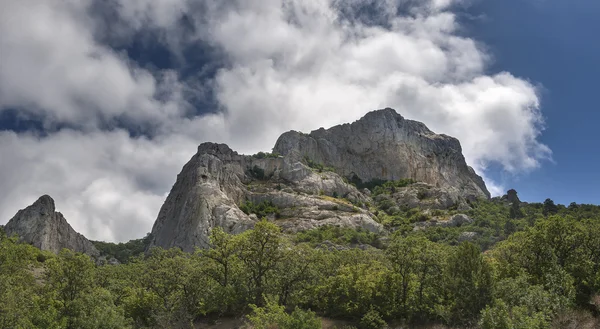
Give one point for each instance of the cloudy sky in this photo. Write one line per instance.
(103, 101)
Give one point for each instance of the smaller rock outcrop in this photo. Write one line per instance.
(317, 179)
(425, 196)
(467, 236)
(43, 227)
(454, 221)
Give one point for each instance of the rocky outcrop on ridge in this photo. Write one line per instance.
(216, 181)
(304, 184)
(384, 145)
(43, 227)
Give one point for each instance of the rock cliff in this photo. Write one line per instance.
(305, 183)
(384, 145)
(43, 227)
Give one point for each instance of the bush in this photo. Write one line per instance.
(256, 172)
(300, 319)
(272, 315)
(338, 235)
(372, 320)
(261, 210)
(265, 155)
(389, 187)
(317, 166)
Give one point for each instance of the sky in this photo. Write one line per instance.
(103, 101)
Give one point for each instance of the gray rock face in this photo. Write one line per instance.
(217, 180)
(384, 145)
(214, 184)
(454, 221)
(426, 196)
(204, 196)
(43, 227)
(467, 236)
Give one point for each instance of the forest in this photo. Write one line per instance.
(527, 265)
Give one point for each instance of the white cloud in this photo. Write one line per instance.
(289, 65)
(108, 185)
(52, 67)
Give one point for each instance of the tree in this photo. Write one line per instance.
(549, 208)
(224, 266)
(19, 293)
(417, 265)
(80, 303)
(295, 272)
(273, 315)
(69, 276)
(469, 283)
(261, 249)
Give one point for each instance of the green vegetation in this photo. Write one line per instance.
(273, 314)
(338, 235)
(540, 271)
(256, 172)
(379, 186)
(266, 155)
(261, 210)
(123, 251)
(319, 167)
(389, 187)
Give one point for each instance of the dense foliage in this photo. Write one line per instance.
(261, 210)
(266, 155)
(123, 251)
(541, 270)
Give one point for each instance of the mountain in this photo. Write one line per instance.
(42, 226)
(383, 145)
(316, 179)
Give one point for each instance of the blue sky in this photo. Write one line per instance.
(103, 102)
(555, 44)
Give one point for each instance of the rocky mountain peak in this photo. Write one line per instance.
(382, 145)
(45, 205)
(216, 149)
(42, 226)
(307, 184)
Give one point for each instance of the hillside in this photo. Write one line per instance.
(317, 235)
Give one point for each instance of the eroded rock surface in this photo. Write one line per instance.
(384, 145)
(43, 227)
(381, 146)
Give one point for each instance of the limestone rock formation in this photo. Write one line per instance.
(216, 181)
(425, 196)
(384, 145)
(454, 221)
(307, 184)
(204, 196)
(43, 227)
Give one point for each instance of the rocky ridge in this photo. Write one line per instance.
(305, 183)
(43, 227)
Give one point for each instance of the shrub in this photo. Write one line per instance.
(300, 319)
(274, 315)
(264, 155)
(389, 187)
(372, 320)
(261, 210)
(317, 166)
(256, 172)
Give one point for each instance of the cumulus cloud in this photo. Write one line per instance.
(287, 64)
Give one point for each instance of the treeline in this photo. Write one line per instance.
(545, 275)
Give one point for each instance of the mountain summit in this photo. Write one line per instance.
(383, 145)
(42, 226)
(316, 179)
